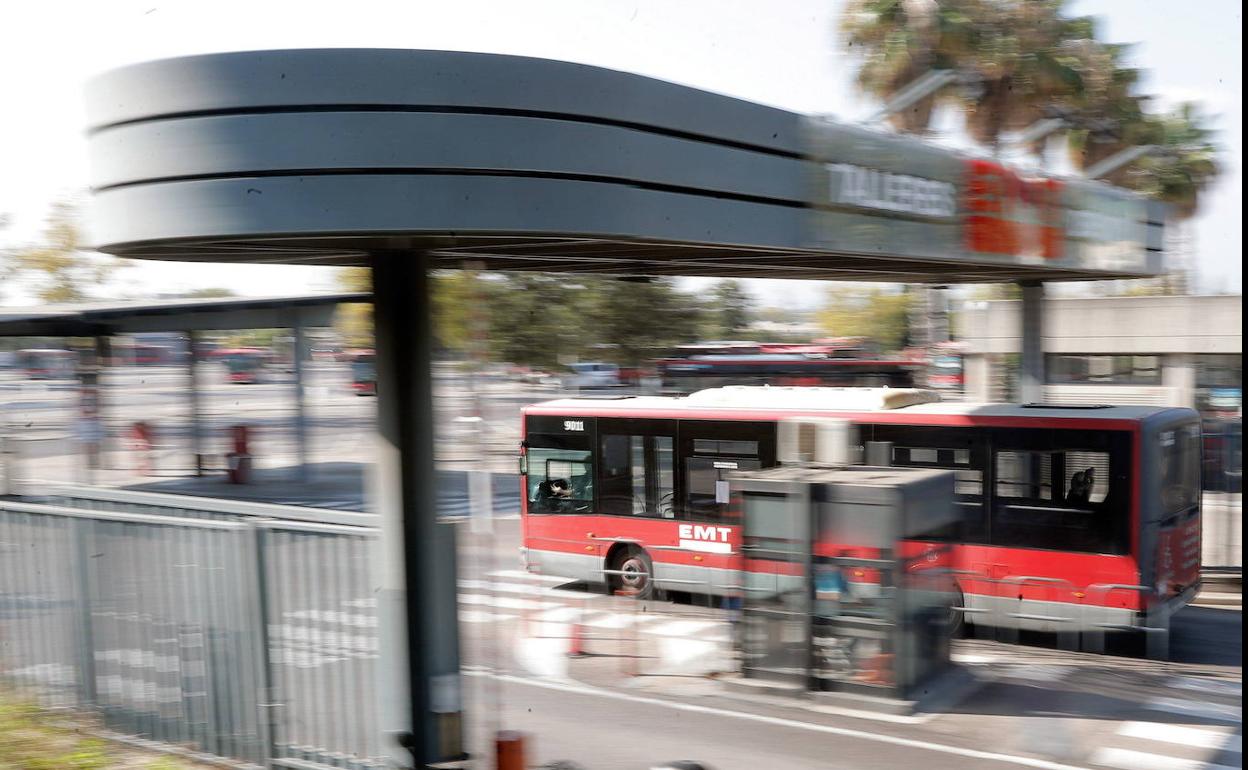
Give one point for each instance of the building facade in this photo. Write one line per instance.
(1174, 350)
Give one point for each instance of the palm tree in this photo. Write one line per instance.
(1023, 54)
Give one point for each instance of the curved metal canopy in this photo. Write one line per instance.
(323, 156)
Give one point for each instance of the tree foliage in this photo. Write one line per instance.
(60, 267)
(729, 311)
(1022, 61)
(880, 315)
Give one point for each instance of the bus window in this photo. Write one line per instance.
(961, 450)
(1180, 468)
(560, 475)
(1061, 490)
(637, 476)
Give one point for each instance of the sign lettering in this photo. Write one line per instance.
(574, 425)
(871, 188)
(704, 538)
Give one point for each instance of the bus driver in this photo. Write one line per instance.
(553, 495)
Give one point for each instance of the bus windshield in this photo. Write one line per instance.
(560, 474)
(1180, 468)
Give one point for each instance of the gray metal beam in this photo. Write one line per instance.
(1031, 374)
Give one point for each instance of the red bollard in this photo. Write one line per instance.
(239, 460)
(509, 750)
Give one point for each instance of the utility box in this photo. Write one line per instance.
(848, 576)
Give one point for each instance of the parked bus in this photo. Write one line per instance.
(363, 372)
(806, 368)
(1062, 506)
(243, 365)
(47, 363)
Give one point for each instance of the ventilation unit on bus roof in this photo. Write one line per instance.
(844, 399)
(819, 440)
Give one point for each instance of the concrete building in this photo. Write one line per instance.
(1179, 350)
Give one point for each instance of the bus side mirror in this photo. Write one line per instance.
(524, 465)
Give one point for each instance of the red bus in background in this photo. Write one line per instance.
(363, 371)
(48, 363)
(1087, 513)
(244, 365)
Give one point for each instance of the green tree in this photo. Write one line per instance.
(354, 321)
(60, 266)
(730, 310)
(639, 318)
(537, 320)
(879, 315)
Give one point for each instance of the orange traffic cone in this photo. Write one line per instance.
(576, 643)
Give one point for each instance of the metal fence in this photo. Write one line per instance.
(252, 640)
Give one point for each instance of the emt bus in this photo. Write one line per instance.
(785, 368)
(1088, 513)
(48, 363)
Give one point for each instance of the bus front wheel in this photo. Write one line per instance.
(631, 574)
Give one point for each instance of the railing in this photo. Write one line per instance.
(250, 639)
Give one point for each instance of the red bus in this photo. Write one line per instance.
(244, 365)
(802, 368)
(48, 363)
(1087, 513)
(363, 372)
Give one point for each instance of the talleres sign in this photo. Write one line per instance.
(876, 193)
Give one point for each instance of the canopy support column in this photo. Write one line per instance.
(192, 395)
(1031, 375)
(302, 472)
(418, 685)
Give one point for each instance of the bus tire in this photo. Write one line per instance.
(640, 582)
(957, 619)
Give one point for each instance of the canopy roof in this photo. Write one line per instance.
(325, 156)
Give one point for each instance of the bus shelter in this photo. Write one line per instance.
(99, 324)
(408, 161)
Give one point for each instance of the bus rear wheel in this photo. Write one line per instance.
(632, 574)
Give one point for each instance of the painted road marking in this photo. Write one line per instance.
(1196, 709)
(1141, 760)
(682, 627)
(846, 732)
(1200, 684)
(1183, 736)
(506, 602)
(478, 616)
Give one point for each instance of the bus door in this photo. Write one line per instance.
(709, 453)
(636, 496)
(557, 471)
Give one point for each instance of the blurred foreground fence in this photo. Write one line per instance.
(218, 631)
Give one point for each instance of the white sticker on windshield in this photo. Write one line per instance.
(721, 491)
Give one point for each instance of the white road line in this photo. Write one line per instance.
(478, 616)
(506, 602)
(1200, 684)
(1184, 736)
(560, 614)
(972, 659)
(682, 627)
(1041, 764)
(1036, 672)
(1140, 760)
(520, 588)
(1196, 709)
(522, 575)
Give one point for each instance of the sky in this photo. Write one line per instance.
(787, 56)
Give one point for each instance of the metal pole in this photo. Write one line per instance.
(103, 357)
(301, 424)
(1031, 362)
(419, 688)
(192, 395)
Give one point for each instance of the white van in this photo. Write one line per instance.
(592, 375)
